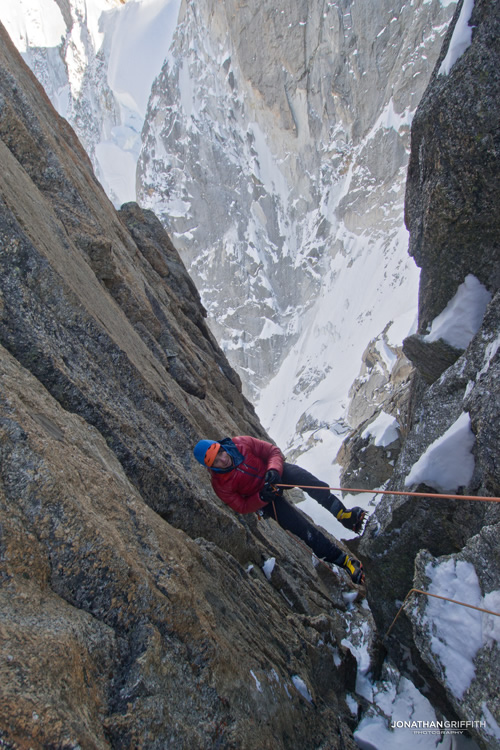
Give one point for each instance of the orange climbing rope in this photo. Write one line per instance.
(393, 492)
(436, 596)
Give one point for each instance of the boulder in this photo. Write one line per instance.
(430, 358)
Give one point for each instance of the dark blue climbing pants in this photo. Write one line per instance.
(292, 519)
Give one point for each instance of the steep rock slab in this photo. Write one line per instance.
(113, 339)
(120, 631)
(122, 626)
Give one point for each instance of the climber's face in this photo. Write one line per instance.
(222, 461)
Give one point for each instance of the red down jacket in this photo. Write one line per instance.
(240, 487)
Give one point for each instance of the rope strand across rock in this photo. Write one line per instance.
(396, 492)
(437, 596)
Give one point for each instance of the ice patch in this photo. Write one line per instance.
(268, 567)
(257, 682)
(271, 329)
(460, 40)
(352, 704)
(359, 647)
(389, 118)
(302, 688)
(489, 355)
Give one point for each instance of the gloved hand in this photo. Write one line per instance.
(272, 477)
(269, 492)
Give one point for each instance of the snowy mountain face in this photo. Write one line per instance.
(96, 60)
(274, 147)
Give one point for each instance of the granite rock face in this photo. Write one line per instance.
(134, 611)
(120, 631)
(453, 188)
(431, 359)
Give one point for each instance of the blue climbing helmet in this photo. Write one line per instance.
(205, 451)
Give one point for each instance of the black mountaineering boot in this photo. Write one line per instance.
(354, 568)
(333, 504)
(352, 519)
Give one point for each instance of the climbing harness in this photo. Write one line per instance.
(436, 596)
(393, 492)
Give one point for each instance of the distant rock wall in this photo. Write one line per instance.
(133, 608)
(452, 203)
(275, 167)
(279, 173)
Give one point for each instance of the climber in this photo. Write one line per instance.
(246, 474)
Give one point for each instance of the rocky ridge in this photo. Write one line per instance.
(134, 610)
